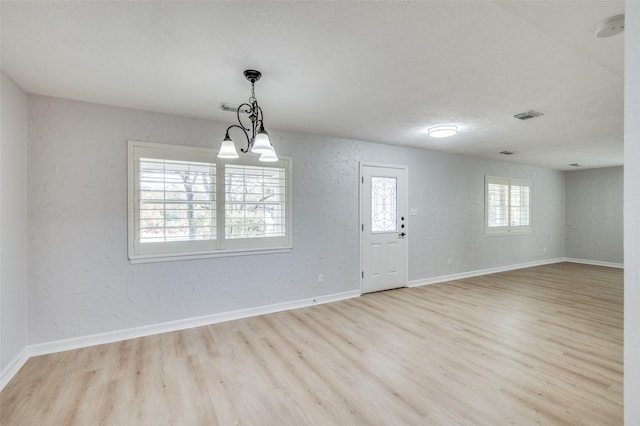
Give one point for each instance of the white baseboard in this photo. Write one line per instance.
(165, 327)
(13, 367)
(115, 336)
(595, 262)
(479, 272)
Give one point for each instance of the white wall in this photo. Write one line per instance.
(13, 226)
(632, 215)
(448, 192)
(594, 214)
(81, 282)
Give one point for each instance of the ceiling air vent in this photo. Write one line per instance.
(527, 115)
(232, 108)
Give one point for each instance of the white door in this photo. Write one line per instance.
(383, 211)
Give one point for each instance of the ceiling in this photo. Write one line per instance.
(375, 71)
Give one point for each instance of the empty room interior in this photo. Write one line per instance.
(320, 213)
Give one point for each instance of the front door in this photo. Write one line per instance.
(384, 227)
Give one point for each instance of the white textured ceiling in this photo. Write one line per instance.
(375, 71)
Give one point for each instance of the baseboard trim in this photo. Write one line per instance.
(594, 262)
(183, 324)
(13, 367)
(479, 272)
(116, 336)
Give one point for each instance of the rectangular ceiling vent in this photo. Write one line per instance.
(527, 115)
(233, 108)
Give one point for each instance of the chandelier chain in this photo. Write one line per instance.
(252, 99)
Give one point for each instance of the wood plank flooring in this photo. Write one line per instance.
(534, 346)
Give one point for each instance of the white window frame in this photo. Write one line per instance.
(219, 247)
(508, 229)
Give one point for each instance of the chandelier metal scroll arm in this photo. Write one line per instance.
(249, 110)
(246, 135)
(259, 116)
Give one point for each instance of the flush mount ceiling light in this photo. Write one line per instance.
(442, 131)
(610, 26)
(258, 142)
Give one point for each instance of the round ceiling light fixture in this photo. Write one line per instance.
(442, 131)
(610, 26)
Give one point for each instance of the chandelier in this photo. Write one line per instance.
(258, 141)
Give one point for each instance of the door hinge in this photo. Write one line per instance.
(363, 226)
(362, 179)
(362, 274)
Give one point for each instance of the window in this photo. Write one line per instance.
(507, 205)
(256, 207)
(383, 204)
(184, 202)
(176, 200)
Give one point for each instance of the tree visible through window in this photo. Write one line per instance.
(184, 201)
(177, 200)
(254, 202)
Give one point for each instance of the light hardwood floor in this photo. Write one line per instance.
(534, 346)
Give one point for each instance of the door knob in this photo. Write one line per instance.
(402, 234)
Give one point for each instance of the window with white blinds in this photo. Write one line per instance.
(177, 200)
(184, 202)
(255, 201)
(507, 205)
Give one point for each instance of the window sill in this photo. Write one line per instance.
(154, 258)
(506, 234)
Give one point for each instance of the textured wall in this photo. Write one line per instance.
(13, 225)
(632, 215)
(81, 282)
(448, 191)
(594, 214)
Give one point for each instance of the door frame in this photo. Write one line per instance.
(405, 207)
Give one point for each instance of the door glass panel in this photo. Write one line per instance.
(383, 204)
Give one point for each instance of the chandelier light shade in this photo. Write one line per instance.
(442, 131)
(261, 143)
(258, 141)
(268, 156)
(227, 149)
